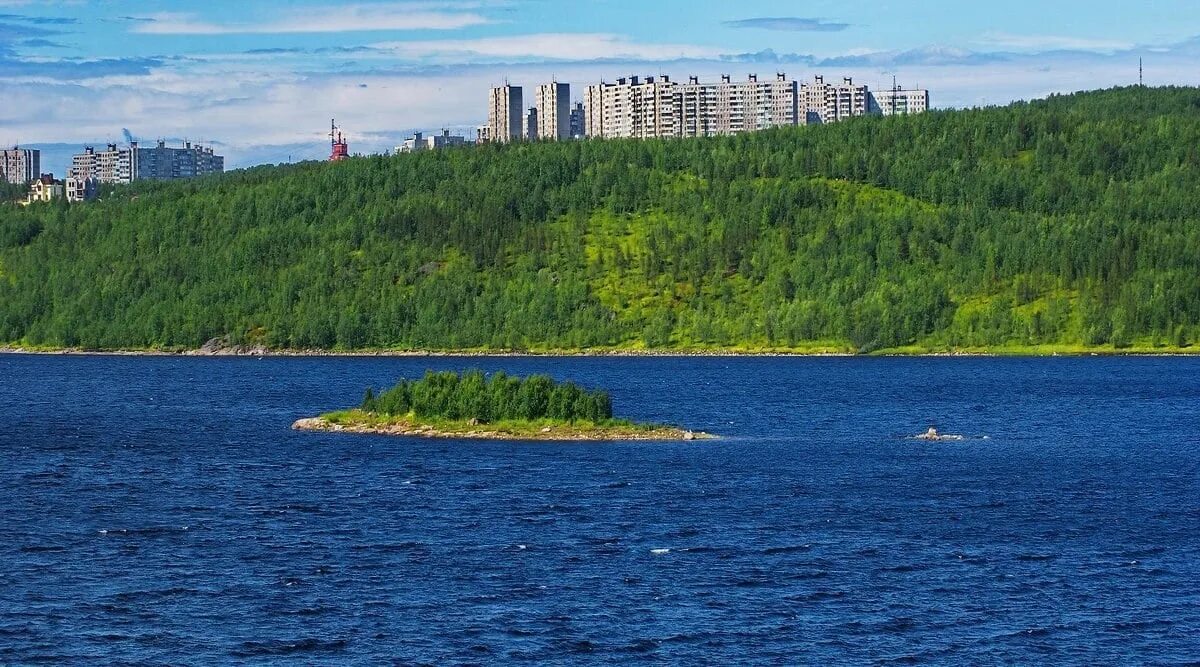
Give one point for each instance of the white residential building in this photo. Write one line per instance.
(20, 165)
(553, 104)
(159, 163)
(830, 102)
(659, 107)
(505, 114)
(45, 189)
(899, 102)
(82, 189)
(419, 142)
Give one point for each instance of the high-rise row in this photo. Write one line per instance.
(160, 163)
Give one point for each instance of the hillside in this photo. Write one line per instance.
(1070, 223)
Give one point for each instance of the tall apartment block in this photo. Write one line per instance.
(578, 121)
(553, 104)
(20, 165)
(734, 107)
(633, 108)
(899, 102)
(505, 114)
(160, 163)
(659, 107)
(831, 102)
(531, 124)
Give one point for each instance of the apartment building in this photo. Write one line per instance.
(133, 163)
(531, 124)
(732, 107)
(112, 165)
(419, 142)
(505, 114)
(82, 189)
(578, 121)
(830, 102)
(161, 163)
(633, 108)
(20, 165)
(658, 107)
(553, 104)
(899, 102)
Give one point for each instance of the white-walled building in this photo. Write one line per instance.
(133, 163)
(20, 165)
(553, 104)
(899, 102)
(505, 114)
(658, 107)
(830, 102)
(45, 189)
(419, 142)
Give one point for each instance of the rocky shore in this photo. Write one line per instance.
(485, 432)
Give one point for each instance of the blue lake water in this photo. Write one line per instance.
(160, 510)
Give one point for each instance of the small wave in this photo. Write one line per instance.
(660, 552)
(1036, 557)
(289, 647)
(42, 549)
(787, 549)
(689, 531)
(152, 531)
(905, 567)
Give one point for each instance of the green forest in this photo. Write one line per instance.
(501, 397)
(1065, 224)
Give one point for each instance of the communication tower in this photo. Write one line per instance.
(339, 149)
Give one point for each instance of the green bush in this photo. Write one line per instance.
(473, 395)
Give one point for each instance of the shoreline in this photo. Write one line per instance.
(1032, 352)
(482, 432)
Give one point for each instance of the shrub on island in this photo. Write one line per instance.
(473, 395)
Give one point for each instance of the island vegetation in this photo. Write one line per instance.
(473, 405)
(1062, 225)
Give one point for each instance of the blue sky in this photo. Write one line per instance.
(261, 78)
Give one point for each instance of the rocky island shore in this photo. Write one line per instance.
(476, 431)
(497, 407)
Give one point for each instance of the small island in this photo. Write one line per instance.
(500, 407)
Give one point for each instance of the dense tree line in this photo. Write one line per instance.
(1071, 220)
(472, 395)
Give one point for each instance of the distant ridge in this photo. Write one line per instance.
(1063, 225)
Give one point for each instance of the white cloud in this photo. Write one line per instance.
(1006, 40)
(345, 18)
(543, 46)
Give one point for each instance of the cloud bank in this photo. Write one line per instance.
(789, 23)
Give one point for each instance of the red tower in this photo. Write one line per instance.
(340, 149)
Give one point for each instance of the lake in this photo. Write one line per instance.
(160, 510)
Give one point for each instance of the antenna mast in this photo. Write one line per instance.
(1141, 80)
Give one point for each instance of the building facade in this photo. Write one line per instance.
(578, 121)
(656, 107)
(553, 104)
(20, 165)
(899, 102)
(81, 189)
(531, 124)
(167, 164)
(112, 165)
(419, 142)
(831, 102)
(505, 114)
(45, 189)
(160, 163)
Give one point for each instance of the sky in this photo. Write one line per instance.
(261, 79)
